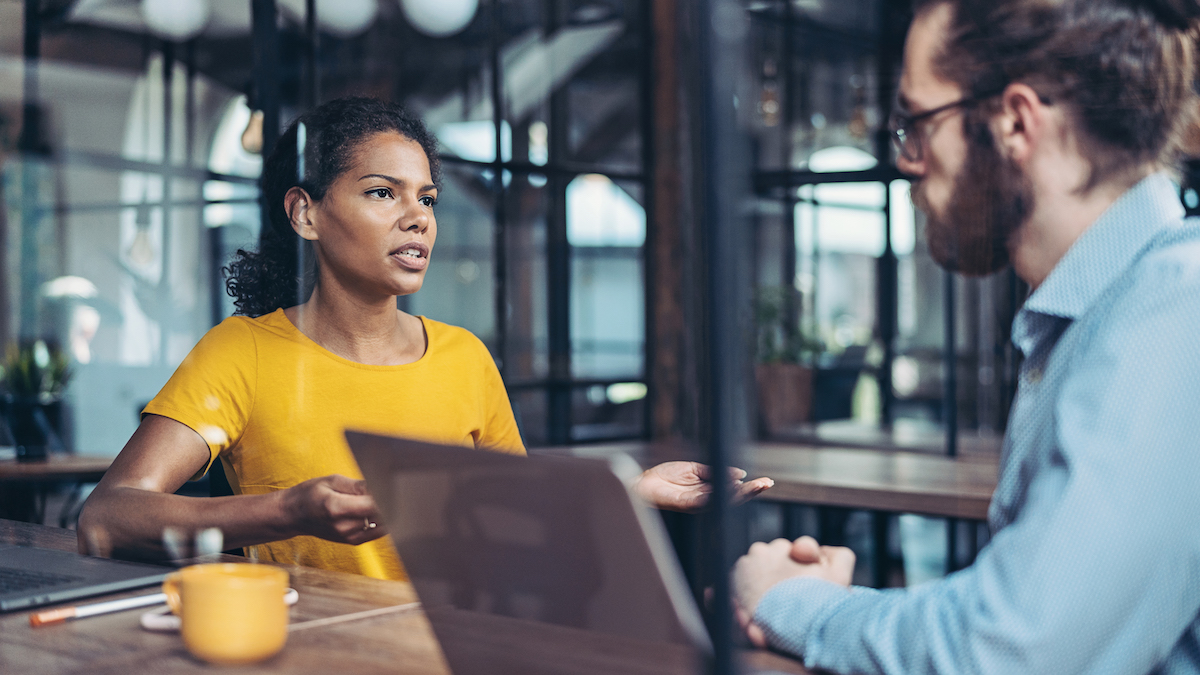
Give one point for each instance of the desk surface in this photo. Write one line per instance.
(859, 478)
(393, 643)
(904, 437)
(85, 468)
(115, 643)
(905, 482)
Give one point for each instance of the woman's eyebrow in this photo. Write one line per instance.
(396, 181)
(393, 181)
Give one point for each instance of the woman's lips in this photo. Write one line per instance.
(413, 255)
(410, 262)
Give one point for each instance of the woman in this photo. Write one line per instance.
(318, 347)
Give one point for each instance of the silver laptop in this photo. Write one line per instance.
(533, 564)
(32, 577)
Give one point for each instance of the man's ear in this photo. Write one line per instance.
(1023, 122)
(299, 207)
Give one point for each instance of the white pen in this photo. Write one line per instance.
(52, 616)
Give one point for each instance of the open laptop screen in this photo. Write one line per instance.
(547, 539)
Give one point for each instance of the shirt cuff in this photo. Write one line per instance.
(788, 612)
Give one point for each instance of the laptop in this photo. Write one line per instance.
(533, 564)
(32, 577)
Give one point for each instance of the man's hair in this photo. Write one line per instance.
(1124, 69)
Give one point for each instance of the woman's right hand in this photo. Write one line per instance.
(129, 510)
(334, 507)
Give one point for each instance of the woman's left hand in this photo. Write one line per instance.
(685, 486)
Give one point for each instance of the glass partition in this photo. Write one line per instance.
(141, 185)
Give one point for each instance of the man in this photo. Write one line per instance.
(1037, 132)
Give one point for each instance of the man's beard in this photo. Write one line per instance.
(991, 199)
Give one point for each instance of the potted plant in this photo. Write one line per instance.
(34, 376)
(784, 369)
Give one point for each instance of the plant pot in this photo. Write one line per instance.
(784, 396)
(33, 424)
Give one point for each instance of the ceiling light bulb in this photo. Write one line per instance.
(439, 18)
(346, 18)
(141, 251)
(252, 137)
(177, 20)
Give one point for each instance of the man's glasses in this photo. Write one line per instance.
(905, 131)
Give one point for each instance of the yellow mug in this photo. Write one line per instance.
(232, 613)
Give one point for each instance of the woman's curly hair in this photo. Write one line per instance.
(282, 272)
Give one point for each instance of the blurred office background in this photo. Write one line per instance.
(131, 134)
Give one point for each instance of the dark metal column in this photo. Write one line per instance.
(890, 50)
(265, 37)
(500, 240)
(886, 300)
(650, 206)
(791, 307)
(312, 53)
(950, 401)
(724, 188)
(950, 365)
(31, 145)
(265, 34)
(216, 235)
(880, 525)
(163, 289)
(886, 290)
(558, 255)
(32, 47)
(886, 269)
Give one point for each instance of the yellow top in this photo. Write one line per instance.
(273, 405)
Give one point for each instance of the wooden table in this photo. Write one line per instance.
(393, 643)
(23, 485)
(902, 437)
(56, 467)
(859, 478)
(906, 482)
(879, 481)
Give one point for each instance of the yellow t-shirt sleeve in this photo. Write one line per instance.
(500, 430)
(212, 391)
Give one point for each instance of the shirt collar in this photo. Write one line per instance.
(1107, 249)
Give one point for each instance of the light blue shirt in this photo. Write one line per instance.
(1094, 564)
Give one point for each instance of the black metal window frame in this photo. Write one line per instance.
(559, 171)
(559, 384)
(783, 184)
(169, 168)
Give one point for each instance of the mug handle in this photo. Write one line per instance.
(170, 588)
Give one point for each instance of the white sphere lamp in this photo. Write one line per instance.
(176, 20)
(439, 18)
(346, 18)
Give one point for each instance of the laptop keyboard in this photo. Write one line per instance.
(13, 580)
